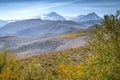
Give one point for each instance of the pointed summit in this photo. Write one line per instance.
(53, 16)
(93, 13)
(93, 16)
(88, 17)
(53, 13)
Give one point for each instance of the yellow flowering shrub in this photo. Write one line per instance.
(70, 71)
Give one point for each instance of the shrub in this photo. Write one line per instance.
(70, 72)
(105, 47)
(9, 66)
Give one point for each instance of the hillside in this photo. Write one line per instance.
(72, 56)
(37, 45)
(34, 45)
(38, 27)
(44, 66)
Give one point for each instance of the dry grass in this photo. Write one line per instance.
(73, 35)
(73, 56)
(49, 63)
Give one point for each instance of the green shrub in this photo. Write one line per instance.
(105, 47)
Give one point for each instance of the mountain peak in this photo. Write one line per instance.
(52, 13)
(93, 14)
(89, 17)
(53, 16)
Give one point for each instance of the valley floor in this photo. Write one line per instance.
(37, 45)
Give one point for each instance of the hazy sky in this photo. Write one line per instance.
(24, 9)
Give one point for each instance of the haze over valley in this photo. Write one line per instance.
(34, 36)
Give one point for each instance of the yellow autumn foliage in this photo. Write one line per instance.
(70, 71)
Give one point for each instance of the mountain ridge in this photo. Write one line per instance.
(52, 16)
(88, 17)
(39, 27)
(54, 24)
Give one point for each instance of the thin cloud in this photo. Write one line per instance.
(19, 10)
(53, 5)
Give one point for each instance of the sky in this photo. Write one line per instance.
(26, 9)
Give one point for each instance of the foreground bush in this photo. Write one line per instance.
(9, 66)
(12, 68)
(70, 72)
(105, 47)
(42, 67)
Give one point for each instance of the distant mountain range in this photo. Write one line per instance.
(49, 24)
(38, 27)
(48, 33)
(81, 18)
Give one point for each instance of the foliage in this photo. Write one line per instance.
(43, 66)
(9, 66)
(73, 35)
(72, 72)
(105, 47)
